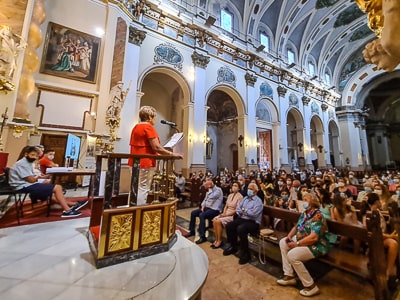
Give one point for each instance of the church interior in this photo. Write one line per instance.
(252, 85)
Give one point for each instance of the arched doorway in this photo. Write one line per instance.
(168, 93)
(317, 142)
(266, 119)
(383, 124)
(295, 139)
(222, 132)
(334, 145)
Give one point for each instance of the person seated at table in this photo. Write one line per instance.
(24, 179)
(211, 207)
(305, 241)
(220, 221)
(247, 221)
(180, 183)
(47, 160)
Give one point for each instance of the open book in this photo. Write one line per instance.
(174, 140)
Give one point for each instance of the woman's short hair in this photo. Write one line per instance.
(146, 113)
(314, 201)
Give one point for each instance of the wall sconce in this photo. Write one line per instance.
(93, 115)
(206, 139)
(240, 139)
(347, 161)
(280, 147)
(190, 138)
(320, 147)
(300, 145)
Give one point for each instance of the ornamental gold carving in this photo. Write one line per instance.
(120, 232)
(172, 217)
(151, 227)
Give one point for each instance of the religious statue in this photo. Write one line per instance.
(384, 20)
(11, 45)
(116, 102)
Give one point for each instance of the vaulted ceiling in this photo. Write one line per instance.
(329, 33)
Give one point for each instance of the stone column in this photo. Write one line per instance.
(283, 152)
(250, 141)
(199, 124)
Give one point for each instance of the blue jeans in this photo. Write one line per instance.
(207, 214)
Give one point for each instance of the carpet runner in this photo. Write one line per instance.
(38, 213)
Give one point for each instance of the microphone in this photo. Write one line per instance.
(168, 123)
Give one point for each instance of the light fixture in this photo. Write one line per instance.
(207, 139)
(190, 138)
(210, 21)
(280, 147)
(260, 48)
(240, 139)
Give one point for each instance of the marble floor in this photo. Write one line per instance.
(38, 263)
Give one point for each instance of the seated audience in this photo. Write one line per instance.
(220, 221)
(47, 160)
(304, 242)
(24, 179)
(210, 208)
(247, 221)
(390, 240)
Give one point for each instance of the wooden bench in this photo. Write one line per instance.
(368, 267)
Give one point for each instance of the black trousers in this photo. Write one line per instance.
(241, 228)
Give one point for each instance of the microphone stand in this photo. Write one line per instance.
(174, 127)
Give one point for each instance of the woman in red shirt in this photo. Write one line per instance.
(145, 140)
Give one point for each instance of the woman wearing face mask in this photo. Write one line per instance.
(304, 242)
(342, 188)
(384, 196)
(362, 194)
(220, 221)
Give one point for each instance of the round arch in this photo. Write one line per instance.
(170, 72)
(269, 103)
(231, 92)
(334, 150)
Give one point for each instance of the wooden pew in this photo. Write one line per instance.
(369, 267)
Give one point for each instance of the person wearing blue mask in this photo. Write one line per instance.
(362, 195)
(247, 221)
(305, 241)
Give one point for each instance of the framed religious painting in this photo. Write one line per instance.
(70, 54)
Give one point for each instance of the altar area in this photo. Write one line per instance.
(53, 261)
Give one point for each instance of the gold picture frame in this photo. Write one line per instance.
(71, 54)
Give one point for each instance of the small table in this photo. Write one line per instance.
(76, 172)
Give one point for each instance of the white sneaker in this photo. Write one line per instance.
(309, 293)
(286, 282)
